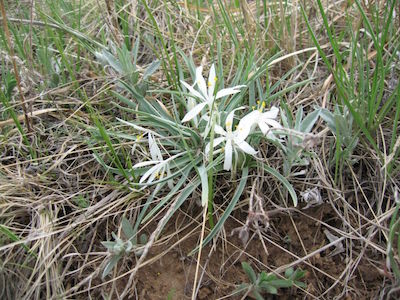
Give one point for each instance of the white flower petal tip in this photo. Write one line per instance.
(245, 147)
(227, 92)
(193, 112)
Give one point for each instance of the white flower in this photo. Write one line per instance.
(233, 139)
(206, 92)
(264, 120)
(161, 166)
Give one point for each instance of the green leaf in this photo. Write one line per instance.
(281, 283)
(309, 121)
(186, 192)
(263, 276)
(109, 245)
(284, 181)
(128, 229)
(258, 296)
(143, 239)
(289, 272)
(271, 289)
(151, 69)
(110, 265)
(106, 57)
(329, 118)
(299, 117)
(249, 272)
(228, 210)
(300, 284)
(13, 237)
(169, 196)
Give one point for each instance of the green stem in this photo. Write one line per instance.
(210, 174)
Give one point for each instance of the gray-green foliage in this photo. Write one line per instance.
(340, 122)
(124, 63)
(298, 133)
(269, 283)
(120, 247)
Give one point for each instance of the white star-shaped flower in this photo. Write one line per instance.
(160, 166)
(264, 120)
(206, 92)
(233, 139)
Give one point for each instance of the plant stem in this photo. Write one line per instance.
(210, 174)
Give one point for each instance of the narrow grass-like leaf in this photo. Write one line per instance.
(13, 237)
(169, 196)
(202, 171)
(284, 181)
(340, 87)
(228, 210)
(110, 146)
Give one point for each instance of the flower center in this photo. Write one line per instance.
(209, 83)
(260, 107)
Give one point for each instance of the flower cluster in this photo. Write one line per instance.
(232, 140)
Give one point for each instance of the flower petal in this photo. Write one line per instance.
(171, 181)
(193, 91)
(264, 127)
(245, 147)
(151, 173)
(201, 83)
(217, 141)
(229, 119)
(246, 124)
(154, 150)
(271, 114)
(228, 155)
(145, 164)
(218, 129)
(212, 81)
(194, 112)
(273, 123)
(229, 91)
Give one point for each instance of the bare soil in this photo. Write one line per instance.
(171, 276)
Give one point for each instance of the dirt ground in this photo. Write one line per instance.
(172, 276)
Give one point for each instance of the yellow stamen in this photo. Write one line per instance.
(209, 84)
(215, 78)
(263, 104)
(253, 107)
(228, 124)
